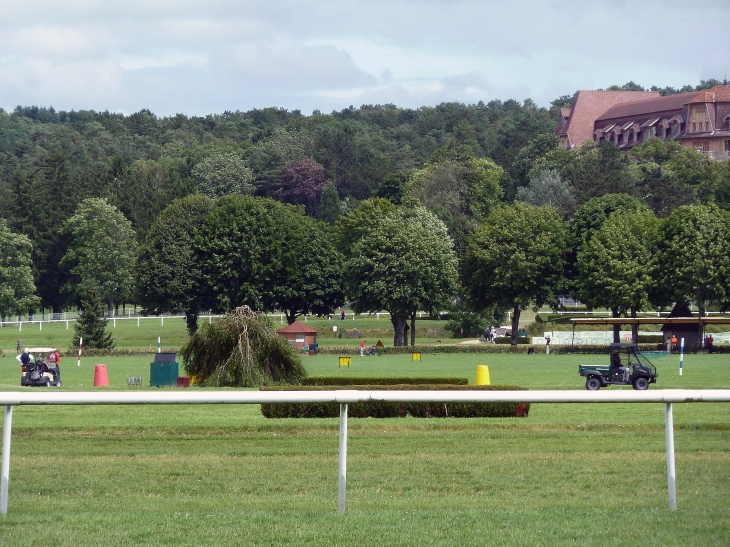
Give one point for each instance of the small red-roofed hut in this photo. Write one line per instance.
(299, 334)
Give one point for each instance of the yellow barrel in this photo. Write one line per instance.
(483, 375)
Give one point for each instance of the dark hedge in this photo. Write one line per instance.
(425, 350)
(386, 409)
(358, 381)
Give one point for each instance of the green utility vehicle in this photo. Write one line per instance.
(627, 366)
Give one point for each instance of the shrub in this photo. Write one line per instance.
(242, 349)
(388, 409)
(355, 381)
(508, 340)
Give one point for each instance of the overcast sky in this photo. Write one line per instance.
(206, 56)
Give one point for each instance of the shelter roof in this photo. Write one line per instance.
(651, 321)
(298, 328)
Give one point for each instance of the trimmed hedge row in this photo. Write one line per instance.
(479, 348)
(122, 352)
(357, 381)
(508, 339)
(387, 409)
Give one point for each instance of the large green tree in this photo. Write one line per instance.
(617, 266)
(102, 253)
(694, 255)
(269, 256)
(515, 259)
(169, 275)
(406, 263)
(17, 291)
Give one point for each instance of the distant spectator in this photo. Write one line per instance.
(674, 344)
(18, 345)
(362, 348)
(342, 315)
(547, 345)
(710, 341)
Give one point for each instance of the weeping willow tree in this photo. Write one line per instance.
(242, 350)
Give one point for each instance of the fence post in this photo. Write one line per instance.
(342, 490)
(5, 479)
(671, 474)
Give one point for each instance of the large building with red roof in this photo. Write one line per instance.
(699, 119)
(576, 122)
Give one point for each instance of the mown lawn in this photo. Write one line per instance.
(583, 474)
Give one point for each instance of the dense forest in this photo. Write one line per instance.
(458, 161)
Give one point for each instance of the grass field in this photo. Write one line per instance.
(224, 475)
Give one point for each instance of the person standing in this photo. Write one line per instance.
(18, 345)
(710, 341)
(362, 348)
(674, 344)
(547, 345)
(25, 358)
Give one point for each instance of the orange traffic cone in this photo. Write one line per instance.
(100, 377)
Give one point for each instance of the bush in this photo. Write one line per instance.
(355, 381)
(242, 349)
(508, 339)
(480, 348)
(387, 409)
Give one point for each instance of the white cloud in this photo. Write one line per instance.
(194, 57)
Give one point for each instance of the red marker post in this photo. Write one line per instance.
(81, 344)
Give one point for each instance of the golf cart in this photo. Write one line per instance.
(38, 372)
(627, 366)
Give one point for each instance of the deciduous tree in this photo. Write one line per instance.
(617, 266)
(169, 275)
(694, 254)
(17, 291)
(102, 253)
(269, 256)
(516, 258)
(406, 263)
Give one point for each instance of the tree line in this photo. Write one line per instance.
(277, 210)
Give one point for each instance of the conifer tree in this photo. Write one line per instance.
(91, 325)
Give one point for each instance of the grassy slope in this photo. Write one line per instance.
(223, 475)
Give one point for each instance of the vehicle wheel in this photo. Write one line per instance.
(47, 383)
(58, 384)
(641, 383)
(593, 384)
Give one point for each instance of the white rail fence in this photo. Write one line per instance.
(71, 318)
(344, 397)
